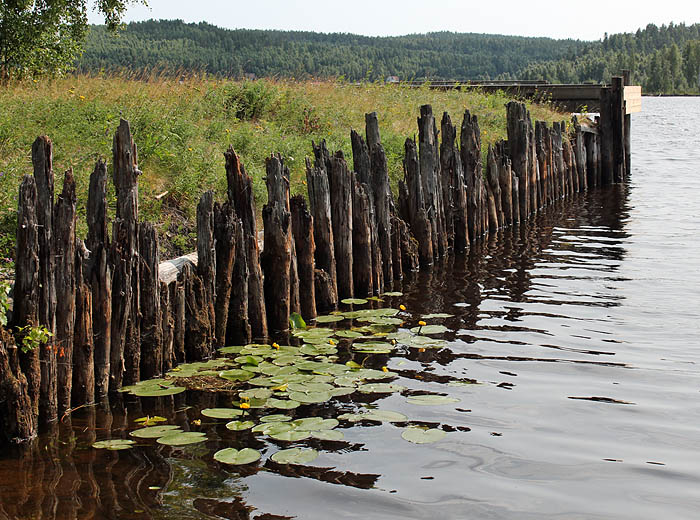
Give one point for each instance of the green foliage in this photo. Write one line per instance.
(653, 54)
(4, 302)
(33, 337)
(46, 37)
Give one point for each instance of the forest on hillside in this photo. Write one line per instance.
(174, 45)
(663, 59)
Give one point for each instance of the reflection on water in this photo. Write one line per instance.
(580, 330)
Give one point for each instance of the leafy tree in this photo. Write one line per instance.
(46, 36)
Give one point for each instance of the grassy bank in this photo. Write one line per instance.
(182, 127)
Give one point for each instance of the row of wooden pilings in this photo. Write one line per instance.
(118, 315)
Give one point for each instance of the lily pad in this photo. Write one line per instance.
(421, 436)
(291, 435)
(318, 349)
(157, 391)
(373, 348)
(276, 417)
(237, 426)
(354, 301)
(237, 457)
(430, 329)
(328, 435)
(394, 294)
(150, 421)
(310, 397)
(431, 399)
(230, 350)
(255, 393)
(309, 387)
(273, 428)
(329, 318)
(182, 438)
(154, 432)
(295, 456)
(343, 390)
(437, 315)
(114, 444)
(352, 334)
(296, 321)
(315, 424)
(222, 413)
(282, 404)
(237, 374)
(385, 416)
(380, 388)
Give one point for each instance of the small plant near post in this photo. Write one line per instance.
(33, 336)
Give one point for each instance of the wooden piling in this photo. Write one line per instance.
(151, 363)
(99, 276)
(206, 255)
(341, 184)
(18, 422)
(64, 220)
(238, 328)
(225, 223)
(305, 246)
(240, 195)
(470, 151)
(361, 241)
(125, 348)
(519, 146)
(413, 204)
(454, 188)
(83, 389)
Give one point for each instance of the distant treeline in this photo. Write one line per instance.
(663, 59)
(173, 44)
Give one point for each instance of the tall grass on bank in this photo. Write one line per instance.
(182, 126)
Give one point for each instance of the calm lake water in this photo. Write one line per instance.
(582, 329)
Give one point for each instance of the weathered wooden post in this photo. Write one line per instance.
(64, 250)
(276, 257)
(126, 347)
(493, 190)
(26, 307)
(341, 183)
(627, 80)
(470, 150)
(618, 135)
(151, 320)
(519, 145)
(167, 325)
(361, 241)
(303, 232)
(240, 195)
(454, 188)
(238, 328)
(413, 204)
(225, 223)
(383, 198)
(320, 202)
(206, 253)
(83, 345)
(98, 276)
(505, 181)
(429, 160)
(607, 135)
(18, 419)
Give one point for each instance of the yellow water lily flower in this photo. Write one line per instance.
(385, 369)
(276, 346)
(244, 406)
(422, 323)
(402, 307)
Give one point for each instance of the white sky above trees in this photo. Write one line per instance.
(587, 20)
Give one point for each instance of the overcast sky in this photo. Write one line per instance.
(587, 20)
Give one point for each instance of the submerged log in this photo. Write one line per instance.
(83, 346)
(151, 320)
(99, 276)
(64, 220)
(240, 195)
(303, 232)
(26, 307)
(125, 348)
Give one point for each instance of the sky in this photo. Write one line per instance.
(587, 20)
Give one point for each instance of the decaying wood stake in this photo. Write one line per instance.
(151, 319)
(303, 232)
(18, 422)
(99, 275)
(225, 224)
(341, 182)
(64, 250)
(83, 347)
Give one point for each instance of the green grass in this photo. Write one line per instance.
(182, 128)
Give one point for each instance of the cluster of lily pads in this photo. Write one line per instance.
(280, 378)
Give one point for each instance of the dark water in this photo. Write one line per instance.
(583, 330)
